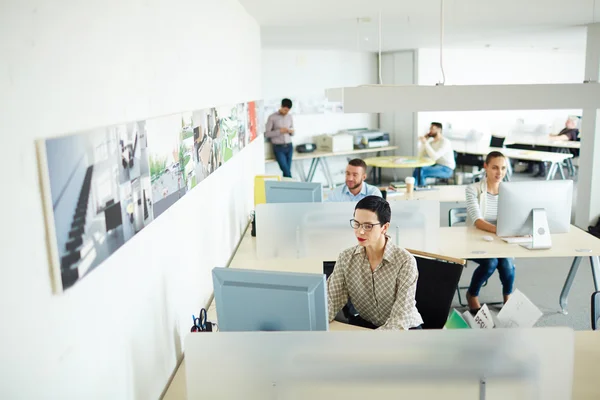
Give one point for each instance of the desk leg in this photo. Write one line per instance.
(313, 168)
(595, 271)
(564, 294)
(300, 168)
(379, 178)
(571, 167)
(551, 172)
(327, 172)
(560, 169)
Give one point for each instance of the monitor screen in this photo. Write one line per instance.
(293, 192)
(251, 300)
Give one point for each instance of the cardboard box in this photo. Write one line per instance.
(335, 143)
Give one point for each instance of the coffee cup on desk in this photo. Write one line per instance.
(410, 184)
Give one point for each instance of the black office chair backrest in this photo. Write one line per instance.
(595, 310)
(435, 289)
(496, 141)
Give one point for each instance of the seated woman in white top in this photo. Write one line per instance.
(482, 210)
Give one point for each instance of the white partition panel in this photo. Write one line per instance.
(322, 230)
(460, 364)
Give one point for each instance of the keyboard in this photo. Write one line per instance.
(517, 239)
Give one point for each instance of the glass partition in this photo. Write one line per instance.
(322, 230)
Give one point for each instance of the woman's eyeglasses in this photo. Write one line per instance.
(366, 226)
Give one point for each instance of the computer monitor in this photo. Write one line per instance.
(536, 208)
(293, 192)
(255, 300)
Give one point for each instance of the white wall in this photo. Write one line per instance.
(72, 66)
(307, 73)
(498, 66)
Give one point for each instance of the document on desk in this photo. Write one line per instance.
(518, 312)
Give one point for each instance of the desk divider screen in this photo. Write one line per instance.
(534, 363)
(322, 230)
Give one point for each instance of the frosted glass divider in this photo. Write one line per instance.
(535, 363)
(322, 230)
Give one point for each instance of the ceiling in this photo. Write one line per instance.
(353, 24)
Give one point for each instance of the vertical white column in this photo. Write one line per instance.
(588, 187)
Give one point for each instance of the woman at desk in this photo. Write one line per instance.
(482, 210)
(379, 277)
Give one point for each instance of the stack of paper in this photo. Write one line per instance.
(518, 312)
(482, 320)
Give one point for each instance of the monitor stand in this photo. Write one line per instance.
(541, 238)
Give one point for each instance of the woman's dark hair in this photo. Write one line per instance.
(492, 155)
(287, 103)
(378, 205)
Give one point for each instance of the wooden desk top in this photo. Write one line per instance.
(398, 162)
(462, 242)
(585, 385)
(320, 153)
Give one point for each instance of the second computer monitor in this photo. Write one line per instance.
(517, 200)
(293, 192)
(251, 300)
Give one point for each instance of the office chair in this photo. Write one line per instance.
(458, 217)
(435, 291)
(595, 310)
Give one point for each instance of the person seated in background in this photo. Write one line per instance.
(569, 133)
(439, 149)
(482, 211)
(355, 188)
(379, 277)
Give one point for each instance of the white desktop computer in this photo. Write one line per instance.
(535, 208)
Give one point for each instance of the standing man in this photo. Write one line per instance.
(355, 188)
(439, 149)
(280, 128)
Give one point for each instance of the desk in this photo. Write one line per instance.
(560, 145)
(467, 242)
(585, 380)
(320, 157)
(543, 141)
(555, 159)
(441, 193)
(395, 162)
(461, 242)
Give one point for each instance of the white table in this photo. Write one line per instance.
(461, 243)
(320, 157)
(562, 146)
(555, 159)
